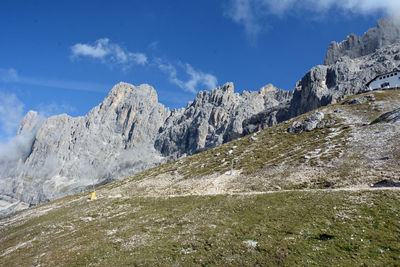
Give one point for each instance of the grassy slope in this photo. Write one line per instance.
(322, 227)
(276, 158)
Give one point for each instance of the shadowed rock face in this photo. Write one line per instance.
(389, 117)
(214, 118)
(387, 32)
(130, 131)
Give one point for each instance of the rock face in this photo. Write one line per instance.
(387, 32)
(65, 154)
(214, 118)
(130, 131)
(324, 85)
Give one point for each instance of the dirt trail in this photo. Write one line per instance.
(352, 189)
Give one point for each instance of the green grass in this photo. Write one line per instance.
(273, 146)
(302, 228)
(283, 228)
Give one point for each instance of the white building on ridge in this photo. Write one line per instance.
(385, 81)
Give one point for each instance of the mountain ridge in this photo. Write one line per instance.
(131, 131)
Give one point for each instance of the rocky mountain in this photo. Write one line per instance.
(387, 32)
(130, 131)
(214, 118)
(63, 155)
(320, 189)
(346, 75)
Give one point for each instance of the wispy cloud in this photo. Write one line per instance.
(19, 146)
(11, 113)
(11, 76)
(8, 75)
(46, 110)
(154, 45)
(254, 14)
(195, 78)
(242, 12)
(108, 53)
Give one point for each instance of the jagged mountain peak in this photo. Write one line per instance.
(28, 122)
(217, 96)
(268, 88)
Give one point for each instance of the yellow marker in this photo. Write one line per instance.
(93, 196)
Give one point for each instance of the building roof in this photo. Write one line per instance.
(382, 74)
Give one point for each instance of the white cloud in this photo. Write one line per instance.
(253, 14)
(109, 53)
(196, 78)
(98, 50)
(11, 113)
(112, 53)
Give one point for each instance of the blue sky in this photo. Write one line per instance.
(65, 56)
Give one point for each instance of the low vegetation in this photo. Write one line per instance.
(318, 215)
(283, 228)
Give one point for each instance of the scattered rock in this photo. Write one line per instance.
(360, 100)
(253, 138)
(386, 183)
(250, 243)
(325, 237)
(325, 123)
(388, 117)
(328, 184)
(308, 124)
(355, 101)
(370, 97)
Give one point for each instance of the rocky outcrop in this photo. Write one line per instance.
(388, 117)
(387, 32)
(360, 100)
(311, 122)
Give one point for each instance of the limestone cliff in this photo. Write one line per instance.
(214, 118)
(387, 32)
(64, 155)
